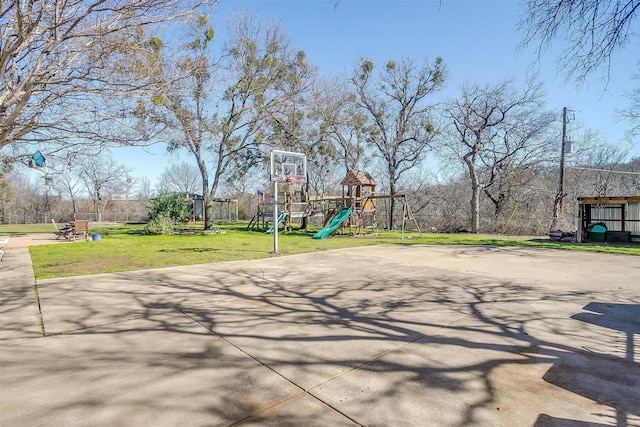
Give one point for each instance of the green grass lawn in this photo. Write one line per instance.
(124, 248)
(18, 229)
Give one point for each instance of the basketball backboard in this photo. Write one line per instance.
(287, 164)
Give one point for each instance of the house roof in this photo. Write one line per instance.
(614, 199)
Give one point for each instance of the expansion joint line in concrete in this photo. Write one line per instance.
(302, 389)
(40, 315)
(388, 352)
(309, 391)
(384, 354)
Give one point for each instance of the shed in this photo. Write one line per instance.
(227, 209)
(620, 215)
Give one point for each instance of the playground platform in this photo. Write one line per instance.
(376, 336)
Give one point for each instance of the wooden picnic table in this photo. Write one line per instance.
(73, 229)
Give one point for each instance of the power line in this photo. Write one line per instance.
(603, 170)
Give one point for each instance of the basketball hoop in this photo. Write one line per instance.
(296, 181)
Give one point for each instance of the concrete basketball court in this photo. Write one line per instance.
(375, 336)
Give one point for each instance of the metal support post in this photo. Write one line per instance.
(275, 217)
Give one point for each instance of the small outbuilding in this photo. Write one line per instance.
(618, 216)
(224, 209)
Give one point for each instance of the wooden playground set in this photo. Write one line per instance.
(352, 213)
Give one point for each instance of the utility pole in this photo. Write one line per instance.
(563, 154)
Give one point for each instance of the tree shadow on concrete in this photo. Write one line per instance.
(585, 372)
(381, 337)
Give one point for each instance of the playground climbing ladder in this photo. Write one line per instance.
(281, 218)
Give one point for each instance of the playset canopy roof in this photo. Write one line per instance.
(356, 177)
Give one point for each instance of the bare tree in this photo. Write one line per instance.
(631, 113)
(143, 190)
(399, 126)
(593, 30)
(290, 125)
(495, 131)
(25, 202)
(216, 104)
(341, 125)
(103, 178)
(69, 184)
(180, 177)
(599, 168)
(59, 59)
(6, 190)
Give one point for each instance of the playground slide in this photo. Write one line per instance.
(281, 218)
(334, 224)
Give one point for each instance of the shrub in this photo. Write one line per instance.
(161, 224)
(172, 207)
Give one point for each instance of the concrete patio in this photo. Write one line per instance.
(375, 336)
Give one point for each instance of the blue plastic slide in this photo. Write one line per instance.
(334, 224)
(281, 218)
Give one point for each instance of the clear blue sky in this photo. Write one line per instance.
(477, 39)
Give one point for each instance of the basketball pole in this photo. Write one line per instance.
(275, 216)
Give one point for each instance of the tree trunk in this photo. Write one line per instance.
(391, 163)
(498, 207)
(475, 196)
(392, 204)
(208, 203)
(75, 209)
(206, 194)
(98, 210)
(475, 208)
(208, 212)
